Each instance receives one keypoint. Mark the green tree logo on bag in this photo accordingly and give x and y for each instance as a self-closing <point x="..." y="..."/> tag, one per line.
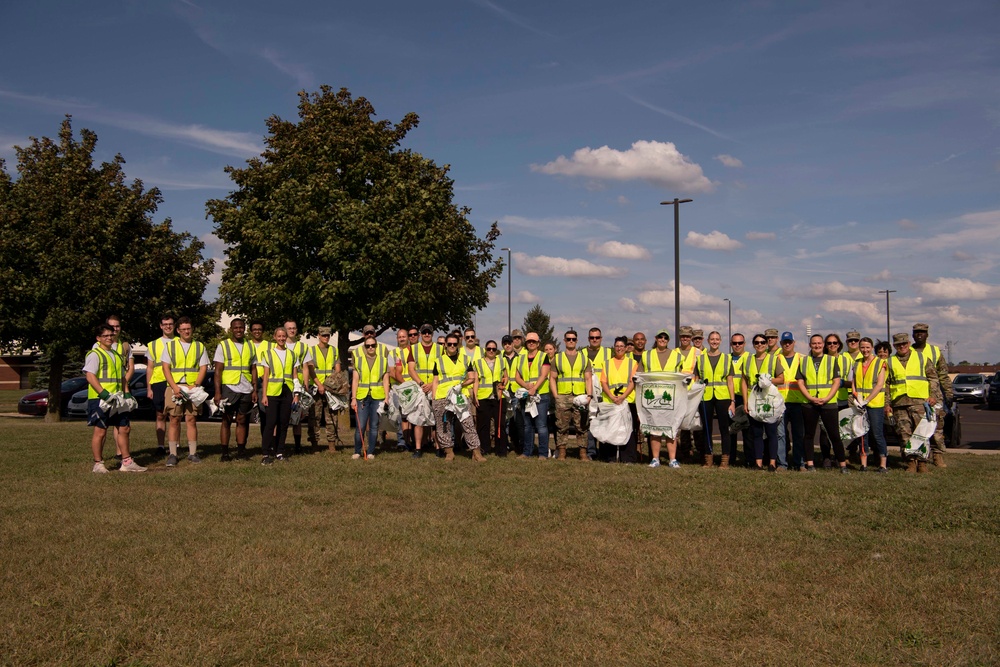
<point x="658" y="396"/>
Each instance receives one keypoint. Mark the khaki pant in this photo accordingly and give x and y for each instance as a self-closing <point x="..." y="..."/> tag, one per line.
<point x="316" y="411"/>
<point x="569" y="418"/>
<point x="907" y="418"/>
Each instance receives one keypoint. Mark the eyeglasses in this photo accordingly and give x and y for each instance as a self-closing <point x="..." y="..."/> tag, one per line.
<point x="470" y="338"/>
<point x="451" y="344"/>
<point x="371" y="347"/>
<point x="106" y="336"/>
<point x="594" y="337"/>
<point x="900" y="344"/>
<point x="531" y="340"/>
<point x="491" y="349"/>
<point x="663" y="337"/>
<point x="570" y="340"/>
<point x="760" y="342"/>
<point x="737" y="342"/>
<point x="831" y="342"/>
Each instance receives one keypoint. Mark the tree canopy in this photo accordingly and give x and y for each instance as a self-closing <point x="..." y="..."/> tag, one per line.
<point x="78" y="243"/>
<point x="538" y="321"/>
<point x="335" y="224"/>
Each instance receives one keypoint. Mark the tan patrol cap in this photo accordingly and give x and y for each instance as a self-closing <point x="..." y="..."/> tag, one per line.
<point x="685" y="331"/>
<point x="698" y="333"/>
<point x="920" y="326"/>
<point x="900" y="338"/>
<point x="853" y="334"/>
<point x="325" y="331"/>
<point x="770" y="333"/>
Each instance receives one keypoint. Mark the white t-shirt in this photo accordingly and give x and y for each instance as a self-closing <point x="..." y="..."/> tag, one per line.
<point x="165" y="358"/>
<point x="243" y="387"/>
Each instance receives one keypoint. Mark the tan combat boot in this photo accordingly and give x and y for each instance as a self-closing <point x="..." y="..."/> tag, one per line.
<point x="939" y="460"/>
<point x="449" y="454"/>
<point x="921" y="466"/>
<point x="583" y="454"/>
<point x="477" y="455"/>
<point x="911" y="466"/>
<point x="561" y="455"/>
<point x="708" y="461"/>
<point x="724" y="464"/>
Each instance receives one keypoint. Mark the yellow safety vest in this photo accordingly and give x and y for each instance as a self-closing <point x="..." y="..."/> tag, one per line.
<point x="572" y="374"/>
<point x="450" y="373"/>
<point x="739" y="361"/>
<point x="370" y="382"/>
<point x="260" y="349"/>
<point x="399" y="355"/>
<point x="489" y="376"/>
<point x="681" y="363"/>
<point x="184" y="367"/>
<point x="474" y="356"/>
<point x="864" y="381"/>
<point x="716" y="385"/>
<point x="237" y="362"/>
<point x="110" y="371"/>
<point x="752" y="368"/>
<point x="154" y="355"/>
<point x="789" y="389"/>
<point x="531" y="370"/>
<point x="617" y="379"/>
<point x="600" y="360"/>
<point x="819" y="381"/>
<point x="845" y="362"/>
<point x="423" y="362"/>
<point x="324" y="363"/>
<point x="651" y="361"/>
<point x="281" y="374"/>
<point x="910" y="380"/>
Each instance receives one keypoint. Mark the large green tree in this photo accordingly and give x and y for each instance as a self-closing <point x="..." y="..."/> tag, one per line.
<point x="78" y="243"/>
<point x="538" y="321"/>
<point x="336" y="224"/>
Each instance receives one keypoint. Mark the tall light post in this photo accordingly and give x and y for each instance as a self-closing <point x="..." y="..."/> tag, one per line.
<point x="730" y="304"/>
<point x="508" y="289"/>
<point x="887" y="292"/>
<point x="677" y="263"/>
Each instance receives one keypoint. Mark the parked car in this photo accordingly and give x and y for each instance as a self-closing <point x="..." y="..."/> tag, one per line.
<point x="970" y="387"/>
<point x="37" y="402"/>
<point x="993" y="397"/>
<point x="139" y="390"/>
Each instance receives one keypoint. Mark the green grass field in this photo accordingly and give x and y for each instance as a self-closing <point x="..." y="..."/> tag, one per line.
<point x="325" y="560"/>
<point x="10" y="397"/>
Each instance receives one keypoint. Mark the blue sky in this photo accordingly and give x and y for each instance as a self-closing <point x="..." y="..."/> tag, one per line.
<point x="832" y="150"/>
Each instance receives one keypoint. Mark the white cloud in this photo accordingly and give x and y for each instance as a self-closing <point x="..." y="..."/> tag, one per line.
<point x="303" y="76"/>
<point x="958" y="288"/>
<point x="655" y="162"/>
<point x="864" y="309"/>
<point x="730" y="161"/>
<point x="962" y="256"/>
<point x="834" y="289"/>
<point x="882" y="275"/>
<point x="623" y="200"/>
<point x="761" y="236"/>
<point x="560" y="266"/>
<point x="524" y="296"/>
<point x="568" y="228"/>
<point x="630" y="306"/>
<point x="907" y="224"/>
<point x="618" y="250"/>
<point x="714" y="240"/>
<point x="690" y="297"/>
<point x="953" y="315"/>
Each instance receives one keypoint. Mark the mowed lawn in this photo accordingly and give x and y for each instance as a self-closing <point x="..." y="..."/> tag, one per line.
<point x="325" y="560"/>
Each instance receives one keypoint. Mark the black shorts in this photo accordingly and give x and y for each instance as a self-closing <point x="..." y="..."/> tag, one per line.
<point x="236" y="403"/>
<point x="159" y="390"/>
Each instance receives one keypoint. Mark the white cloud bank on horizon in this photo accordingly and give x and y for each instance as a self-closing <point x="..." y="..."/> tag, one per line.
<point x="714" y="240"/>
<point x="543" y="265"/>
<point x="618" y="250"/>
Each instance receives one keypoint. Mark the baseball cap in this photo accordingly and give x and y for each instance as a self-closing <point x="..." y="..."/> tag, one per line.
<point x="787" y="336"/>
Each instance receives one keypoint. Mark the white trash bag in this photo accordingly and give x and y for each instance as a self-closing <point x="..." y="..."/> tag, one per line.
<point x="919" y="444"/>
<point x="612" y="424"/>
<point x="765" y="405"/>
<point x="458" y="404"/>
<point x="853" y="424"/>
<point x="414" y="404"/>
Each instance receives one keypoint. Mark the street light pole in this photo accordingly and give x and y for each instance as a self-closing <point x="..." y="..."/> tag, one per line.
<point x="677" y="263"/>
<point x="730" y="304"/>
<point x="508" y="289"/>
<point x="887" y="292"/>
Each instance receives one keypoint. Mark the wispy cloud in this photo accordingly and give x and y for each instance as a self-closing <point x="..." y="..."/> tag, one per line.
<point x="676" y="116"/>
<point x="303" y="76"/>
<point x="542" y="265"/>
<point x="730" y="161"/>
<point x="511" y="18"/>
<point x="567" y="228"/>
<point x="690" y="297"/>
<point x="761" y="236"/>
<point x="630" y="306"/>
<point x="618" y="250"/>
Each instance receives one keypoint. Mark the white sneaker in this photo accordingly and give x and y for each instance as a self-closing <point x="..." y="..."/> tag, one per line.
<point x="355" y="456"/>
<point x="674" y="464"/>
<point x="371" y="457"/>
<point x="99" y="467"/>
<point x="132" y="466"/>
<point x="655" y="463"/>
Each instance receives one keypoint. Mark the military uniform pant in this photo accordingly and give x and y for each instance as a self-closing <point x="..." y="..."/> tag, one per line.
<point x="907" y="418"/>
<point x="444" y="436"/>
<point x="937" y="444"/>
<point x="569" y="418"/>
<point x="316" y="412"/>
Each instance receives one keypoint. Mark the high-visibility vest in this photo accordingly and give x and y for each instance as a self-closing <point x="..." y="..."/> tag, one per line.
<point x="423" y="362"/>
<point x="716" y="384"/>
<point x="932" y="352"/>
<point x="473" y="355"/>
<point x="260" y="349"/>
<point x="381" y="350"/>
<point x="300" y="349"/>
<point x="651" y="361"/>
<point x="184" y="367"/>
<point x="400" y="355"/>
<point x="844" y="364"/>
<point x="752" y="367"/>
<point x="450" y="373"/>
<point x="572" y="374"/>
<point x="619" y="375"/>
<point x="819" y="381"/>
<point x="237" y="362"/>
<point x="680" y="362"/>
<point x="370" y="377"/>
<point x="599" y="360"/>
<point x="531" y="370"/>
<point x="324" y="362"/>
<point x="488" y="376"/>
<point x="109" y="373"/>
<point x="789" y="389"/>
<point x="154" y="355"/>
<point x="739" y="361"/>
<point x="281" y="373"/>
<point x="910" y="380"/>
<point x="865" y="378"/>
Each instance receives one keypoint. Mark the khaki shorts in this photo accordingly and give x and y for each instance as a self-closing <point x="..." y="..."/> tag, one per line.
<point x="172" y="409"/>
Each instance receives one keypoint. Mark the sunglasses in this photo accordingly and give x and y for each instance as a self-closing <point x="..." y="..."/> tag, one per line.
<point x="371" y="347"/>
<point x="570" y="340"/>
<point x="787" y="342"/>
<point x="663" y="337"/>
<point x="831" y="342"/>
<point x="324" y="335"/>
<point x="760" y="342"/>
<point x="594" y="337"/>
<point x="470" y="338"/>
<point x="491" y="349"/>
<point x="531" y="341"/>
<point x="737" y="342"/>
<point x="413" y="334"/>
<point x="772" y="338"/>
<point x="451" y="344"/>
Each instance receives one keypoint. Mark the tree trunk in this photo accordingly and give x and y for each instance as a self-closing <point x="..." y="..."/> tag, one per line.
<point x="57" y="359"/>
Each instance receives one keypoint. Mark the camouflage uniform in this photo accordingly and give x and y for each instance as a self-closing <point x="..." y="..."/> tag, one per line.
<point x="909" y="411"/>
<point x="941" y="391"/>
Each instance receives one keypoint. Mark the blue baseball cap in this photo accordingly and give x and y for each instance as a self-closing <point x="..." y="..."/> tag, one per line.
<point x="787" y="336"/>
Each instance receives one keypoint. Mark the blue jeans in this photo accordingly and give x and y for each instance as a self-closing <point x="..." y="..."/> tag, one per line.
<point x="876" y="419"/>
<point x="782" y="450"/>
<point x="758" y="430"/>
<point x="367" y="421"/>
<point x="794" y="418"/>
<point x="539" y="424"/>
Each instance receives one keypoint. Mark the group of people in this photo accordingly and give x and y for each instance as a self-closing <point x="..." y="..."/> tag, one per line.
<point x="552" y="390"/>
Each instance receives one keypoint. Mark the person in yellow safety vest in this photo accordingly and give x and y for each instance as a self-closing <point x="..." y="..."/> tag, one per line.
<point x="618" y="386"/>
<point x="104" y="369"/>
<point x="185" y="364"/>
<point x="399" y="361"/>
<point x="760" y="363"/>
<point x="488" y="385"/>
<point x="533" y="375"/>
<point x="421" y="370"/>
<point x="790" y="361"/>
<point x="515" y="425"/>
<point x="260" y="347"/>
<point x="369" y="388"/>
<point x="325" y="362"/>
<point x="124" y="350"/>
<point x="715" y="370"/>
<point x="368" y="332"/>
<point x="598" y="356"/>
<point x="682" y="360"/>
<point x="657" y="360"/>
<point x="913" y="384"/>
<point x="834" y="347"/>
<point x="819" y="379"/>
<point x="451" y="369"/>
<point x="473" y="352"/>
<point x="304" y="357"/>
<point x="157" y="380"/>
<point x="279" y="367"/>
<point x="739" y="354"/>
<point x="236" y="384"/>
<point x="570" y="375"/>
<point x="945" y="396"/>
<point x="869" y="376"/>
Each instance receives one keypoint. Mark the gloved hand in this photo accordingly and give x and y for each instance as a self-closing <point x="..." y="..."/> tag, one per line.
<point x="127" y="396"/>
<point x="104" y="395"/>
<point x="764" y="380"/>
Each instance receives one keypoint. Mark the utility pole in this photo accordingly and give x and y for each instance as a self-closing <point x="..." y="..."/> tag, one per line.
<point x="677" y="263"/>
<point x="887" y="292"/>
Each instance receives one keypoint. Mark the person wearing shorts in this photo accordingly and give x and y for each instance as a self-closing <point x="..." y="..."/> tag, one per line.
<point x="235" y="386"/>
<point x="157" y="380"/>
<point x="185" y="365"/>
<point x="105" y="370"/>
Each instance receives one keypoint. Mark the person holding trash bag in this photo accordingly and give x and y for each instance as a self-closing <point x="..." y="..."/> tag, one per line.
<point x="869" y="375"/>
<point x="618" y="383"/>
<point x="914" y="389"/>
<point x="280" y="366"/>
<point x="819" y="380"/>
<point x="758" y="372"/>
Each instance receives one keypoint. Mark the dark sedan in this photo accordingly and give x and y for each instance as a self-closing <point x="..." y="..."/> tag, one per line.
<point x="37" y="402"/>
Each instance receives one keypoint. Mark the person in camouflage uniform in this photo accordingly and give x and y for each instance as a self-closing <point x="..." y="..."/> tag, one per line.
<point x="909" y="410"/>
<point x="944" y="395"/>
